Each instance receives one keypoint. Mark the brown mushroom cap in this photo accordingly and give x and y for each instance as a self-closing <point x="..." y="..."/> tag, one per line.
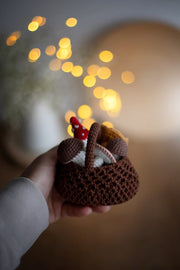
<point x="117" y="146"/>
<point x="68" y="149"/>
<point x="108" y="134"/>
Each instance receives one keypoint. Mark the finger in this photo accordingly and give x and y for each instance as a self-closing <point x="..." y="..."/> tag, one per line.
<point x="49" y="157"/>
<point x="71" y="210"/>
<point x="101" y="209"/>
<point x="52" y="152"/>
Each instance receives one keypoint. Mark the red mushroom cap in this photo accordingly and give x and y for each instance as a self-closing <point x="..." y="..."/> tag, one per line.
<point x="80" y="132"/>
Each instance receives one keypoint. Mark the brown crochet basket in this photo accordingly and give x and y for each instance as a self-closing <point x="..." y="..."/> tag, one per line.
<point x="88" y="186"/>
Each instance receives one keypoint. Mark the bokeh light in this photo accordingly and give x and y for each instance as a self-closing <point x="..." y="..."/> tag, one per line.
<point x="111" y="101"/>
<point x="99" y="92"/>
<point x="69" y="130"/>
<point x="87" y="123"/>
<point x="114" y="112"/>
<point x="65" y="42"/>
<point x="69" y="55"/>
<point x="71" y="22"/>
<point x="92" y="70"/>
<point x="89" y="81"/>
<point x="101" y="105"/>
<point x="84" y="111"/>
<point x="43" y="21"/>
<point x="62" y="53"/>
<point x="77" y="71"/>
<point x="17" y="34"/>
<point x="33" y="26"/>
<point x="55" y="64"/>
<point x="67" y="66"/>
<point x="106" y="56"/>
<point x="68" y="115"/>
<point x="40" y="20"/>
<point x="50" y="50"/>
<point x="34" y="55"/>
<point x="108" y="124"/>
<point x="37" y="19"/>
<point x="11" y="40"/>
<point x="104" y="73"/>
<point x="127" y="77"/>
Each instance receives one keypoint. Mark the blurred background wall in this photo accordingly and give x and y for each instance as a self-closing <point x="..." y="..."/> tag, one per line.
<point x="145" y="41"/>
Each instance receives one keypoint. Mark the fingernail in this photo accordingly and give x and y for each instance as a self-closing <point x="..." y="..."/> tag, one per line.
<point x="89" y="211"/>
<point x="108" y="207"/>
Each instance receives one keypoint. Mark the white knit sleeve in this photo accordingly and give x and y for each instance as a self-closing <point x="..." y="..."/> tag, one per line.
<point x="24" y="216"/>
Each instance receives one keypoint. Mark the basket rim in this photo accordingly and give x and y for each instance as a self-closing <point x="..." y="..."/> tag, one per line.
<point x="125" y="158"/>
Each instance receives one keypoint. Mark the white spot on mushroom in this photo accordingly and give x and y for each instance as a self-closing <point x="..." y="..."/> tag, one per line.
<point x="76" y="126"/>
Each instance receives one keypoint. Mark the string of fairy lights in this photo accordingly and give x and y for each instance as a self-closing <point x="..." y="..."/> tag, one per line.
<point x="109" y="99"/>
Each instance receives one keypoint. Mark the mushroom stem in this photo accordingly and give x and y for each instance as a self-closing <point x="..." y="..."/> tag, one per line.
<point x="80" y="158"/>
<point x="104" y="153"/>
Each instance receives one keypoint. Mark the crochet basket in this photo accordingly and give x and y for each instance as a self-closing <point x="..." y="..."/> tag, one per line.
<point x="88" y="186"/>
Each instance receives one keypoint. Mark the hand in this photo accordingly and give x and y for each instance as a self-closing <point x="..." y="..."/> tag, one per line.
<point x="42" y="172"/>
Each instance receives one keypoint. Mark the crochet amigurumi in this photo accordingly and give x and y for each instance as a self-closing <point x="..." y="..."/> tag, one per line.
<point x="93" y="167"/>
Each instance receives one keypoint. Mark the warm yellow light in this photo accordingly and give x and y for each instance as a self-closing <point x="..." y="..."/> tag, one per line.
<point x="108" y="124"/>
<point x="99" y="92"/>
<point x="17" y="34"/>
<point x="67" y="67"/>
<point x="71" y="22"/>
<point x="43" y="21"/>
<point x="65" y="42"/>
<point x="111" y="101"/>
<point x="40" y="20"/>
<point x="50" y="50"/>
<point x="89" y="81"/>
<point x="69" y="131"/>
<point x="114" y="112"/>
<point x="87" y="123"/>
<point x="101" y="105"/>
<point x="69" y="55"/>
<point x="127" y="77"/>
<point x="77" y="71"/>
<point x="104" y="73"/>
<point x="37" y="19"/>
<point x="110" y="92"/>
<point x="11" y="40"/>
<point x="62" y="53"/>
<point x="92" y="70"/>
<point x="68" y="115"/>
<point x="106" y="56"/>
<point x="84" y="111"/>
<point x="34" y="55"/>
<point x="55" y="64"/>
<point x="33" y="26"/>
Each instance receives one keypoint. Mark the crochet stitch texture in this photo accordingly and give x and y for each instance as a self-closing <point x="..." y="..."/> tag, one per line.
<point x="88" y="186"/>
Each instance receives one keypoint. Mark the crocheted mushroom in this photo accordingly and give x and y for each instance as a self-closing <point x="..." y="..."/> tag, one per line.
<point x="79" y="131"/>
<point x="69" y="150"/>
<point x="102" y="155"/>
<point x="117" y="147"/>
<point x="90" y="184"/>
